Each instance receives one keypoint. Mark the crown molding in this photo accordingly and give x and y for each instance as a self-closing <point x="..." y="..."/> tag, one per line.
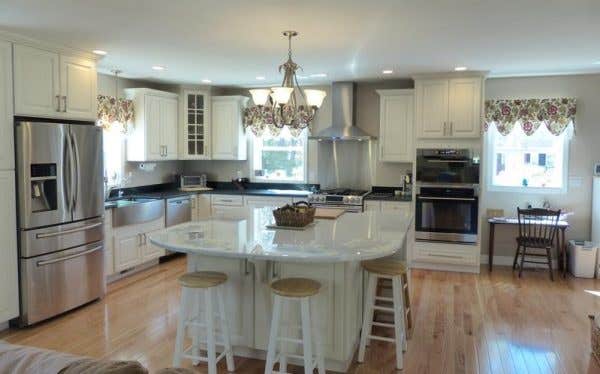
<point x="47" y="45"/>
<point x="455" y="74"/>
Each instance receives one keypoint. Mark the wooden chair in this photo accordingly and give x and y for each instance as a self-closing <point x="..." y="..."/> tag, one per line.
<point x="538" y="228"/>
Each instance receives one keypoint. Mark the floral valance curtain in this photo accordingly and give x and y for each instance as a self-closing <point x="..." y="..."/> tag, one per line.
<point x="112" y="110"/>
<point x="261" y="118"/>
<point x="556" y="114"/>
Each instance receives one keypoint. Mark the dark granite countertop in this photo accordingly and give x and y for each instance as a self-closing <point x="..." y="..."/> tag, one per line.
<point x="167" y="191"/>
<point x="387" y="194"/>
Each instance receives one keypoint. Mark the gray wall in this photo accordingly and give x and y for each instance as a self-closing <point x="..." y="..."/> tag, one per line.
<point x="165" y="170"/>
<point x="584" y="151"/>
<point x="320" y="159"/>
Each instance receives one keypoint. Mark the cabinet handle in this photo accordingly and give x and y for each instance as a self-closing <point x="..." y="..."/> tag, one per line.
<point x="145" y="239"/>
<point x="246" y="271"/>
<point x="444" y="128"/>
<point x="58" y="103"/>
<point x="451" y="128"/>
<point x="273" y="271"/>
<point x="139" y="240"/>
<point x="65" y="104"/>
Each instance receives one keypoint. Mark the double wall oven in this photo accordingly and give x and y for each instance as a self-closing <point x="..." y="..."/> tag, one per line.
<point x="447" y="201"/>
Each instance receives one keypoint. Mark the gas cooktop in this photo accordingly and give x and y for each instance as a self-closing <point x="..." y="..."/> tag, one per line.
<point x="339" y="197"/>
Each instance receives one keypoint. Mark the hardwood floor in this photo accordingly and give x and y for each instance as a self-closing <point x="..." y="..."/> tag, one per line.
<point x="464" y="323"/>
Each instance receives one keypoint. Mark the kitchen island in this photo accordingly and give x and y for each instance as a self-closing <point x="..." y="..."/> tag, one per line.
<point x="253" y="256"/>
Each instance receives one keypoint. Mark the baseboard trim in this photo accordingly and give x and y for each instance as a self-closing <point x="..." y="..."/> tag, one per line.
<point x="508" y="261"/>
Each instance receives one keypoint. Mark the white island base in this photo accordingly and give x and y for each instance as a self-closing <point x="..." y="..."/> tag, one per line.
<point x="336" y="312"/>
<point x="254" y="256"/>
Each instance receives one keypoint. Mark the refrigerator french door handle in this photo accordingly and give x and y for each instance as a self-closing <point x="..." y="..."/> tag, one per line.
<point x="65" y="176"/>
<point x="76" y="171"/>
<point x="68" y="172"/>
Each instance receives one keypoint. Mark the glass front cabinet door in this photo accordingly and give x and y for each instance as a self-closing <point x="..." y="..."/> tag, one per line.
<point x="196" y="125"/>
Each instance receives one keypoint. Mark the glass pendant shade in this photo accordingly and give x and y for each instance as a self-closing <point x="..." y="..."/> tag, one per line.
<point x="260" y="96"/>
<point x="281" y="95"/>
<point x="315" y="97"/>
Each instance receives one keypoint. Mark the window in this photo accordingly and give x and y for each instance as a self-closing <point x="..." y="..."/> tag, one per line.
<point x="537" y="163"/>
<point x="279" y="158"/>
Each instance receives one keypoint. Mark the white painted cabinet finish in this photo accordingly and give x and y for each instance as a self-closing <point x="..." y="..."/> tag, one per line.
<point x="227" y="133"/>
<point x="195" y="125"/>
<point x="78" y="85"/>
<point x="386" y="206"/>
<point x="9" y="286"/>
<point x="431" y="106"/>
<point x="48" y="84"/>
<point x="131" y="247"/>
<point x="200" y="206"/>
<point x="239" y="295"/>
<point x="109" y="260"/>
<point x="448" y="107"/>
<point x="260" y="201"/>
<point x="7" y="158"/>
<point x="154" y="134"/>
<point x="464" y="110"/>
<point x="37" y="84"/>
<point x="396" y="125"/>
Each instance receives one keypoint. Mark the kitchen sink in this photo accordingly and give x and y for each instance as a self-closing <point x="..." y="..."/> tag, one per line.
<point x="135" y="210"/>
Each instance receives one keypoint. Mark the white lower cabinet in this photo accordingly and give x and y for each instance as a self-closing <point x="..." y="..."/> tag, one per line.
<point x="387" y="206"/>
<point x="239" y="295"/>
<point x="261" y="202"/>
<point x="9" y="284"/>
<point x="226" y="204"/>
<point x="131" y="246"/>
<point x="200" y="206"/>
<point x="109" y="260"/>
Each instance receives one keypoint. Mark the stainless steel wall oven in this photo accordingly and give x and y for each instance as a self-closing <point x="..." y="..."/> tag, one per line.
<point x="447" y="214"/>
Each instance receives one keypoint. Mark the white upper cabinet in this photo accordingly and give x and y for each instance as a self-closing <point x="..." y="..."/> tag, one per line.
<point x="154" y="133"/>
<point x="449" y="107"/>
<point x="396" y="134"/>
<point x="195" y="125"/>
<point x="7" y="161"/>
<point x="78" y="86"/>
<point x="228" y="136"/>
<point x="51" y="85"/>
<point x="464" y="111"/>
<point x="431" y="107"/>
<point x="37" y="86"/>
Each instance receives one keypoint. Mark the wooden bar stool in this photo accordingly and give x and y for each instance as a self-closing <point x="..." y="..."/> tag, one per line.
<point x="209" y="284"/>
<point x="395" y="271"/>
<point x="286" y="290"/>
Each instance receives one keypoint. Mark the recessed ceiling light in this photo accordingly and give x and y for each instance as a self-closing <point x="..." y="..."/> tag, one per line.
<point x="99" y="52"/>
<point x="387" y="71"/>
<point x="318" y="75"/>
<point x="206" y="81"/>
<point x="260" y="78"/>
<point x="158" y="67"/>
<point x="460" y="68"/>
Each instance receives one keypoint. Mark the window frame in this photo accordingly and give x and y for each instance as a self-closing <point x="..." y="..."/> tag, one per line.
<point x="251" y="148"/>
<point x="489" y="167"/>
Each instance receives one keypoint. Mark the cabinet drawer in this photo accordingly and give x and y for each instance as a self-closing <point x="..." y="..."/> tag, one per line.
<point x="455" y="257"/>
<point x="231" y="200"/>
<point x="394" y="205"/>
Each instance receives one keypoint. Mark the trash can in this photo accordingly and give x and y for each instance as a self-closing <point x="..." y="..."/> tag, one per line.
<point x="582" y="258"/>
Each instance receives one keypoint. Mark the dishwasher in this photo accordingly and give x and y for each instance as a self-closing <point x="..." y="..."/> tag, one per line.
<point x="177" y="210"/>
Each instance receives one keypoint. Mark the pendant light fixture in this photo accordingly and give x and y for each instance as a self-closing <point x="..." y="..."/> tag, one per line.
<point x="286" y="105"/>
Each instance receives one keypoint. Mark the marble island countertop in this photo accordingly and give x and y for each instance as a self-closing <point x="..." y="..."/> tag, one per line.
<point x="351" y="237"/>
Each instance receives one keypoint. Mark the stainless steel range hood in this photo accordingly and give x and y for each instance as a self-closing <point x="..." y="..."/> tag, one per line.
<point x="343" y="101"/>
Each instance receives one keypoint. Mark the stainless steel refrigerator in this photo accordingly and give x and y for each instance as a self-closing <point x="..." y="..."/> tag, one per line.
<point x="60" y="209"/>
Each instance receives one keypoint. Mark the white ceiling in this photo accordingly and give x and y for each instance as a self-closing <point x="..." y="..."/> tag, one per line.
<point x="232" y="41"/>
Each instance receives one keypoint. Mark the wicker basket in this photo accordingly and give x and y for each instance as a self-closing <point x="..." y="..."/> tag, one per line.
<point x="299" y="214"/>
<point x="595" y="338"/>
